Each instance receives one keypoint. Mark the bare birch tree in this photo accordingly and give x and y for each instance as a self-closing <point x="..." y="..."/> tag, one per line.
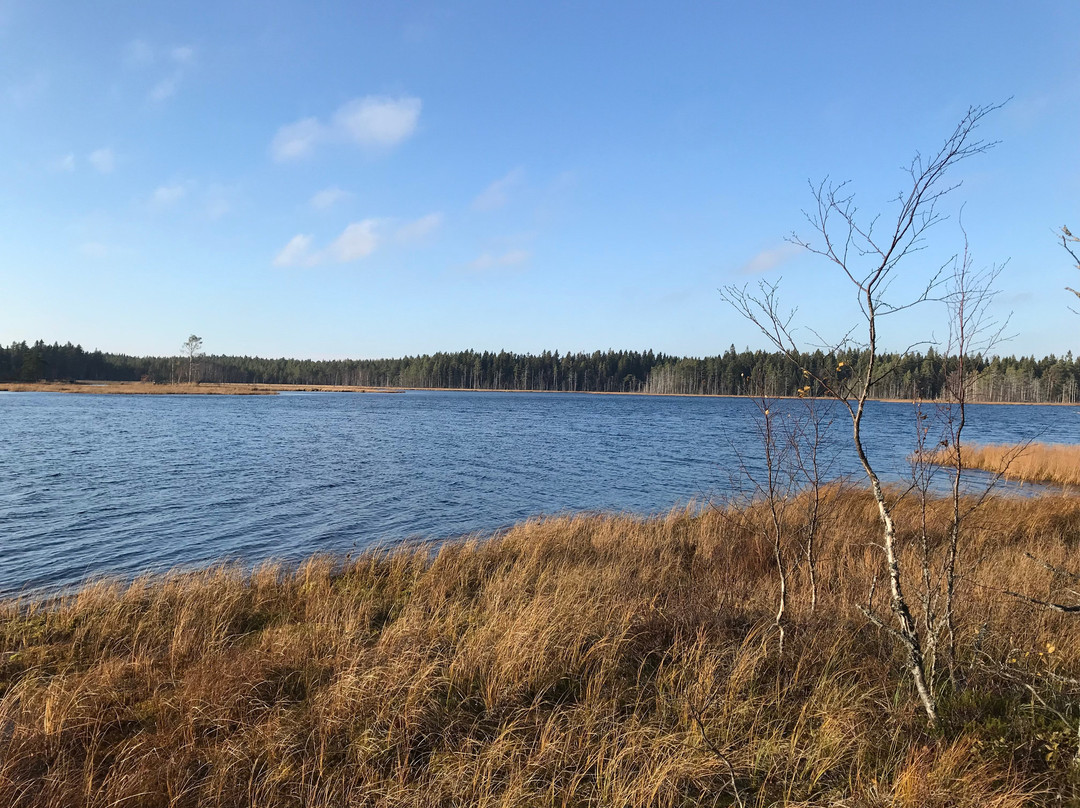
<point x="972" y="329"/>
<point x="871" y="254"/>
<point x="813" y="460"/>
<point x="766" y="489"/>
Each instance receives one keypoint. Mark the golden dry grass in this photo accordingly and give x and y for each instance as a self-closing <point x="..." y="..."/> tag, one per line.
<point x="1034" y="462"/>
<point x="203" y="388"/>
<point x="578" y="661"/>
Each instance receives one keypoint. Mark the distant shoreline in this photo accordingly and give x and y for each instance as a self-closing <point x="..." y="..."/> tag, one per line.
<point x="242" y="389"/>
<point x="200" y="389"/>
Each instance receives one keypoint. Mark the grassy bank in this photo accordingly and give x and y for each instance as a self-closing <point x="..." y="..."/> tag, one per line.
<point x="202" y="389"/>
<point x="238" y="389"/>
<point x="571" y="662"/>
<point x="1028" y="463"/>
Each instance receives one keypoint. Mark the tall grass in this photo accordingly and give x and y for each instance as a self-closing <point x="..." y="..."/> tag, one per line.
<point x="576" y="661"/>
<point x="179" y="388"/>
<point x="1033" y="462"/>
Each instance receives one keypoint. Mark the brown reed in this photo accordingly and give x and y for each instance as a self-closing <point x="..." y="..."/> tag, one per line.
<point x="1028" y="463"/>
<point x="574" y="661"/>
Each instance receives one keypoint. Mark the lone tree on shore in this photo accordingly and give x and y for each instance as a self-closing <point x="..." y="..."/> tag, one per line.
<point x="192" y="350"/>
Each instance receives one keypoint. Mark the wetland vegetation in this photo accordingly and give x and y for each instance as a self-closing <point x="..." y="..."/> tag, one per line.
<point x="572" y="661"/>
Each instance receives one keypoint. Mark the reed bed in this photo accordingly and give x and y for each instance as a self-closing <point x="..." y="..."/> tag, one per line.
<point x="182" y="388"/>
<point x="576" y="661"/>
<point x="136" y="388"/>
<point x="1028" y="463"/>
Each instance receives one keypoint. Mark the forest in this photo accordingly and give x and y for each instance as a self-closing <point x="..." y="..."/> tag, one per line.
<point x="912" y="375"/>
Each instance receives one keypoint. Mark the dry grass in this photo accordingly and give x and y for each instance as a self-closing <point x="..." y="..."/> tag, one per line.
<point x="571" y="662"/>
<point x="202" y="389"/>
<point x="1029" y="463"/>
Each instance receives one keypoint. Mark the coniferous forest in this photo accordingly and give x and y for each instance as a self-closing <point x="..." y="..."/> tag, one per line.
<point x="913" y="375"/>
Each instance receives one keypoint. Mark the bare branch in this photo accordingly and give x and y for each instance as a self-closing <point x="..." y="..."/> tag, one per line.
<point x="1064" y="608"/>
<point x="1056" y="570"/>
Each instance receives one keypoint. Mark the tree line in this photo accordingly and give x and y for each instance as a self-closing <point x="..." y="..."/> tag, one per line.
<point x="912" y="375"/>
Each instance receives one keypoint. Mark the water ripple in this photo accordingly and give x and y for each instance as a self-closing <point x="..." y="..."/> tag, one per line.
<point x="118" y="485"/>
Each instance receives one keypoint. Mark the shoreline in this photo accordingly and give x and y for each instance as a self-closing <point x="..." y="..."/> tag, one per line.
<point x="44" y="594"/>
<point x="183" y="389"/>
<point x="258" y="389"/>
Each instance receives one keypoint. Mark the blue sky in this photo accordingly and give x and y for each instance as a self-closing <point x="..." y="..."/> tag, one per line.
<point x="354" y="179"/>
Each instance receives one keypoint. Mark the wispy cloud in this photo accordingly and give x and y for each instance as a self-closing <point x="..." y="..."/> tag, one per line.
<point x="357" y="241"/>
<point x="139" y="53"/>
<point x="166" y="88"/>
<point x="498" y="193"/>
<point x="28" y="90"/>
<point x="1017" y="298"/>
<point x="182" y="54"/>
<point x="328" y="197"/>
<point x="373" y="122"/>
<point x="296" y="139"/>
<point x="98" y="249"/>
<point x="770" y="258"/>
<point x="296" y="253"/>
<point x="377" y="120"/>
<point x="218" y="201"/>
<point x="175" y="61"/>
<point x="418" y="229"/>
<point x="212" y="201"/>
<point x="493" y="261"/>
<point x="166" y="195"/>
<point x="103" y="160"/>
<point x="64" y="164"/>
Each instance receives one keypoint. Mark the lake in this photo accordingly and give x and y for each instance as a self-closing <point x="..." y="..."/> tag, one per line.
<point x="117" y="485"/>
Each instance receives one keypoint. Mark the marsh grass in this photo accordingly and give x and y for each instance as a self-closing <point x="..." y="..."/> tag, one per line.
<point x="1029" y="463"/>
<point x="577" y="661"/>
<point x="182" y="388"/>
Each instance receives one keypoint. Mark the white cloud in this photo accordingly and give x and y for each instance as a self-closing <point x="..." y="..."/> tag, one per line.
<point x="168" y="194"/>
<point x="358" y="241"/>
<point x="770" y="258"/>
<point x="378" y="120"/>
<point x="328" y="197"/>
<point x="296" y="139"/>
<point x="370" y="122"/>
<point x="418" y="229"/>
<point x="64" y="164"/>
<point x="489" y="261"/>
<point x="182" y="54"/>
<point x="103" y="160"/>
<point x="498" y="193"/>
<point x="295" y="253"/>
<point x="142" y="55"/>
<point x="164" y="89"/>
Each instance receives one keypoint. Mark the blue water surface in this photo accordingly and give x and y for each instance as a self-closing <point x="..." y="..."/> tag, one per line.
<point x="117" y="485"/>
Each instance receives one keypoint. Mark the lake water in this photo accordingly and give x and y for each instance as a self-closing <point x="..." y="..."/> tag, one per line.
<point x="101" y="484"/>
